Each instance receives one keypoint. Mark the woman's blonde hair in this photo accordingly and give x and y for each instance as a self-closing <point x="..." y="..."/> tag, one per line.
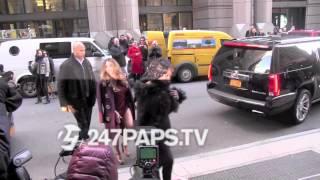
<point x="118" y="73"/>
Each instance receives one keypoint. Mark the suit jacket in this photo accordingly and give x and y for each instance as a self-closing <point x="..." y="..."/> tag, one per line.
<point x="76" y="84"/>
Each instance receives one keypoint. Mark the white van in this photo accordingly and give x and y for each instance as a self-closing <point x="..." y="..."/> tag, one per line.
<point x="15" y="55"/>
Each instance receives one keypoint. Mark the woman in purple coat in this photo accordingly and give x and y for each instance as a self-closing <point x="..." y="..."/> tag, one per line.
<point x="115" y="102"/>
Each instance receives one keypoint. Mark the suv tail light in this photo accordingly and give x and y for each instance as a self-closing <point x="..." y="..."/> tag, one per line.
<point x="245" y="45"/>
<point x="274" y="85"/>
<point x="210" y="73"/>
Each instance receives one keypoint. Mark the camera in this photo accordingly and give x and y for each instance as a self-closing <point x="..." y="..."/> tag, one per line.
<point x="148" y="160"/>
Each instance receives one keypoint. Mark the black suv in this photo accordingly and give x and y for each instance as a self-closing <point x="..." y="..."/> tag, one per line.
<point x="267" y="75"/>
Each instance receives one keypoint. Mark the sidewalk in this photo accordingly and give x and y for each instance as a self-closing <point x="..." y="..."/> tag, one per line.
<point x="220" y="160"/>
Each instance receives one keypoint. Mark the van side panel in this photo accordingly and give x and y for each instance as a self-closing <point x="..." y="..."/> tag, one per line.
<point x="17" y="63"/>
<point x="197" y="47"/>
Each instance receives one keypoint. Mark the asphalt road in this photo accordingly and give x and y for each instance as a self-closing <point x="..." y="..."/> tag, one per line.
<point x="37" y="127"/>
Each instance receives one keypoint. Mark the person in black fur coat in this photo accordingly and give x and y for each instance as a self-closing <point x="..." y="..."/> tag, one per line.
<point x="155" y="101"/>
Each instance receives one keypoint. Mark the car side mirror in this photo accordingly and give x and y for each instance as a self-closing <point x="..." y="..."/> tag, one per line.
<point x="21" y="158"/>
<point x="97" y="54"/>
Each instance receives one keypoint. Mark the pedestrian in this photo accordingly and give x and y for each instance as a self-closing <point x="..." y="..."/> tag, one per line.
<point x="252" y="31"/>
<point x="51" y="78"/>
<point x="1" y="69"/>
<point x="135" y="55"/>
<point x="143" y="45"/>
<point x="124" y="45"/>
<point x="130" y="38"/>
<point x="115" y="101"/>
<point x="8" y="77"/>
<point x="155" y="52"/>
<point x="118" y="54"/>
<point x="41" y="69"/>
<point x="155" y="101"/>
<point x="10" y="100"/>
<point x="77" y="88"/>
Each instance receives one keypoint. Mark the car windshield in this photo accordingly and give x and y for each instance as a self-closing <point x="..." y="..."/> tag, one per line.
<point x="101" y="47"/>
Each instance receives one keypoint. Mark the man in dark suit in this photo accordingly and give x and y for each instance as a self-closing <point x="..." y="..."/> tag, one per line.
<point x="77" y="88"/>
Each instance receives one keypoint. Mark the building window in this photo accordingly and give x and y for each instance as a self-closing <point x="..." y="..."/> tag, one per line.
<point x="3" y="7"/>
<point x="15" y="7"/>
<point x="287" y="17"/>
<point x="142" y="3"/>
<point x="170" y="21"/>
<point x="71" y="4"/>
<point x="184" y="2"/>
<point x="166" y="22"/>
<point x="53" y="5"/>
<point x="80" y="28"/>
<point x="155" y="22"/>
<point x="153" y="2"/>
<point x="38" y="5"/>
<point x="169" y="2"/>
<point x="83" y="4"/>
<point x="143" y="22"/>
<point x="185" y="20"/>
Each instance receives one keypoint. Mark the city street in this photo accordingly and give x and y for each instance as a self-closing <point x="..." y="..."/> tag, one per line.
<point x="37" y="127"/>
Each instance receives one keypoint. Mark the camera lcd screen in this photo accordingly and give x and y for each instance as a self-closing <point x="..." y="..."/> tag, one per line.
<point x="148" y="153"/>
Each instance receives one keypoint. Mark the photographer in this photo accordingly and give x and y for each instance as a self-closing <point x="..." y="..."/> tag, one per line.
<point x="155" y="101"/>
<point x="10" y="100"/>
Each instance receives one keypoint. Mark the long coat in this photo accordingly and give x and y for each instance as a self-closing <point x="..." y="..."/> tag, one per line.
<point x="135" y="55"/>
<point x="75" y="87"/>
<point x="118" y="55"/>
<point x="10" y="100"/>
<point x="154" y="103"/>
<point x="106" y="104"/>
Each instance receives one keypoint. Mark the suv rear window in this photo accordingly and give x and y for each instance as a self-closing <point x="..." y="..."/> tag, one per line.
<point x="297" y="56"/>
<point x="253" y="60"/>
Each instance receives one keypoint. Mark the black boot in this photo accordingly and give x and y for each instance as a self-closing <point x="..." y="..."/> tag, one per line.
<point x="38" y="101"/>
<point x="47" y="101"/>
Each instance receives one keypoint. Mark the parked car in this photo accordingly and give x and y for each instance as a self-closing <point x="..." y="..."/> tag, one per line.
<point x="267" y="75"/>
<point x="190" y="51"/>
<point x="15" y="55"/>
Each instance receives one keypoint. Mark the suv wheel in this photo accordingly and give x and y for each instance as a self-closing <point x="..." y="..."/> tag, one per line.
<point x="185" y="74"/>
<point x="28" y="87"/>
<point x="302" y="106"/>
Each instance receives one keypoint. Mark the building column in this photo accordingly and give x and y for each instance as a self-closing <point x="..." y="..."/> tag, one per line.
<point x="263" y="11"/>
<point x="128" y="17"/>
<point x="312" y="14"/>
<point x="212" y="15"/>
<point x="263" y="15"/>
<point x="108" y="18"/>
<point x="242" y="12"/>
<point x="242" y="17"/>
